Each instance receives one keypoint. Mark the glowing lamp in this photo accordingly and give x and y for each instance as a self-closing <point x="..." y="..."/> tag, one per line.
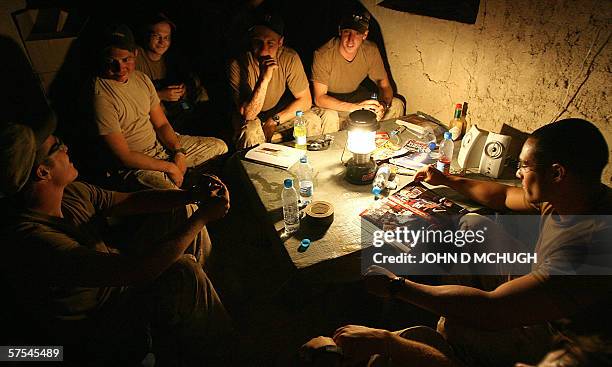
<point x="362" y="126"/>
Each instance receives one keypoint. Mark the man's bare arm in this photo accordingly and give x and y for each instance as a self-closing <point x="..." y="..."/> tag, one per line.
<point x="322" y="99"/>
<point x="491" y="194"/>
<point x="164" y="131"/>
<point x="386" y="92"/>
<point x="85" y="267"/>
<point x="251" y="108"/>
<point x="302" y="102"/>
<point x="130" y="159"/>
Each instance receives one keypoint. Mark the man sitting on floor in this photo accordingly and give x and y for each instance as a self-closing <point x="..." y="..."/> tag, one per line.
<point x="87" y="296"/>
<point x="341" y="65"/>
<point x="269" y="85"/>
<point x="568" y="291"/>
<point x="179" y="89"/>
<point x="134" y="127"/>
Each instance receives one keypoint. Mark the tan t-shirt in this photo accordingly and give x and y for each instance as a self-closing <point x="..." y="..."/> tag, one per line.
<point x="575" y="265"/>
<point x="329" y="67"/>
<point x="40" y="252"/>
<point x="244" y="72"/>
<point x="124" y="108"/>
<point x="155" y="70"/>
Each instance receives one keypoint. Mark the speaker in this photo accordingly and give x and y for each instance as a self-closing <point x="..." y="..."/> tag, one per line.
<point x="494" y="154"/>
<point x="471" y="148"/>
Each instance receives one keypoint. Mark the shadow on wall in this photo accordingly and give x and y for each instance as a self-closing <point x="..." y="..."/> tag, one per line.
<point x="21" y="98"/>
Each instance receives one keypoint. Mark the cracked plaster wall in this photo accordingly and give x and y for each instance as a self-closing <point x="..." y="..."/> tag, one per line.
<point x="521" y="64"/>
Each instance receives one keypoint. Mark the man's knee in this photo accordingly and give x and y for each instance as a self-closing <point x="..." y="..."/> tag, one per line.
<point x="250" y="134"/>
<point x="330" y="122"/>
<point x="180" y="290"/>
<point x="153" y="180"/>
<point x="396" y="109"/>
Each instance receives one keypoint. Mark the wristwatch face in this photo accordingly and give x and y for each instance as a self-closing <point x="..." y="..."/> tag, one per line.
<point x="276" y="119"/>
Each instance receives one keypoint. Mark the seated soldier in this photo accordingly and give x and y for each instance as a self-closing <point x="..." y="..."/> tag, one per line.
<point x="179" y="90"/>
<point x="90" y="297"/>
<point x="269" y="85"/>
<point x="341" y="65"/>
<point x="568" y="291"/>
<point x="134" y="127"/>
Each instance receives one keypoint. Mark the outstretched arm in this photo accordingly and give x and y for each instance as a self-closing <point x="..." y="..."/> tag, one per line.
<point x="522" y="301"/>
<point x="89" y="268"/>
<point x="491" y="194"/>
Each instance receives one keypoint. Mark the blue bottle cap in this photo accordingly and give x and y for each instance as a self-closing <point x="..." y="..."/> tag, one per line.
<point x="447" y="135"/>
<point x="288" y="183"/>
<point x="432" y="146"/>
<point x="304" y="159"/>
<point x="305" y="243"/>
<point x="376" y="190"/>
<point x="299" y="113"/>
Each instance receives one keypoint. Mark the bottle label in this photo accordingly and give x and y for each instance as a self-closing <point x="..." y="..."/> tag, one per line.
<point x="443" y="166"/>
<point x="305" y="188"/>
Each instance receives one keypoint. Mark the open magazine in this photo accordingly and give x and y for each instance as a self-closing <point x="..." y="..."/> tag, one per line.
<point x="275" y="155"/>
<point x="413" y="206"/>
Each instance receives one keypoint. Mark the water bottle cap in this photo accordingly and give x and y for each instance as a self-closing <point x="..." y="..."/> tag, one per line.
<point x="432" y="146"/>
<point x="299" y="113"/>
<point x="447" y="135"/>
<point x="304" y="159"/>
<point x="288" y="183"/>
<point x="376" y="190"/>
<point x="305" y="243"/>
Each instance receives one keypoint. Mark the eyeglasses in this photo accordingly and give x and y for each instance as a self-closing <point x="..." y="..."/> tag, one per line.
<point x="57" y="146"/>
<point x="523" y="165"/>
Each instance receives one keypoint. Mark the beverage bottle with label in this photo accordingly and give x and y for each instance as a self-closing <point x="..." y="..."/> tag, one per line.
<point x="291" y="211"/>
<point x="305" y="175"/>
<point x="446" y="154"/>
<point x="463" y="115"/>
<point x="381" y="180"/>
<point x="456" y="124"/>
<point x="299" y="130"/>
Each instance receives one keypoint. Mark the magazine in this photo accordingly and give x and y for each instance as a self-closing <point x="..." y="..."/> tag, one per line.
<point x="275" y="155"/>
<point x="413" y="206"/>
<point x="415" y="161"/>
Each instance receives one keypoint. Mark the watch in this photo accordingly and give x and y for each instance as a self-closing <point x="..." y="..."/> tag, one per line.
<point x="276" y="119"/>
<point x="395" y="285"/>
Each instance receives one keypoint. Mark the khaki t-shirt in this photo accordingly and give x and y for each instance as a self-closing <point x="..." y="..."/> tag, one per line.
<point x="40" y="253"/>
<point x="329" y="67"/>
<point x="124" y="108"/>
<point x="155" y="70"/>
<point x="575" y="265"/>
<point x="244" y="72"/>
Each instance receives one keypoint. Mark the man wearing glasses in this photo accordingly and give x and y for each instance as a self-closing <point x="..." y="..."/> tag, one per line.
<point x="567" y="293"/>
<point x="134" y="127"/>
<point x="340" y="67"/>
<point x="86" y="294"/>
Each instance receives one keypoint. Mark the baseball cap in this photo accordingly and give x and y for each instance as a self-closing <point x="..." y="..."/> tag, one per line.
<point x="357" y="21"/>
<point x="161" y="18"/>
<point x="119" y="36"/>
<point x="19" y="152"/>
<point x="272" y="21"/>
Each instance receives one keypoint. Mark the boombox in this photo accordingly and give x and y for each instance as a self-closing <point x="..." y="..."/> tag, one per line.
<point x="485" y="150"/>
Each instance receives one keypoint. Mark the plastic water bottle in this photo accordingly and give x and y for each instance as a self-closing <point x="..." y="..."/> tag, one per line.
<point x="305" y="177"/>
<point x="291" y="212"/>
<point x="299" y="130"/>
<point x="381" y="179"/>
<point x="446" y="154"/>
